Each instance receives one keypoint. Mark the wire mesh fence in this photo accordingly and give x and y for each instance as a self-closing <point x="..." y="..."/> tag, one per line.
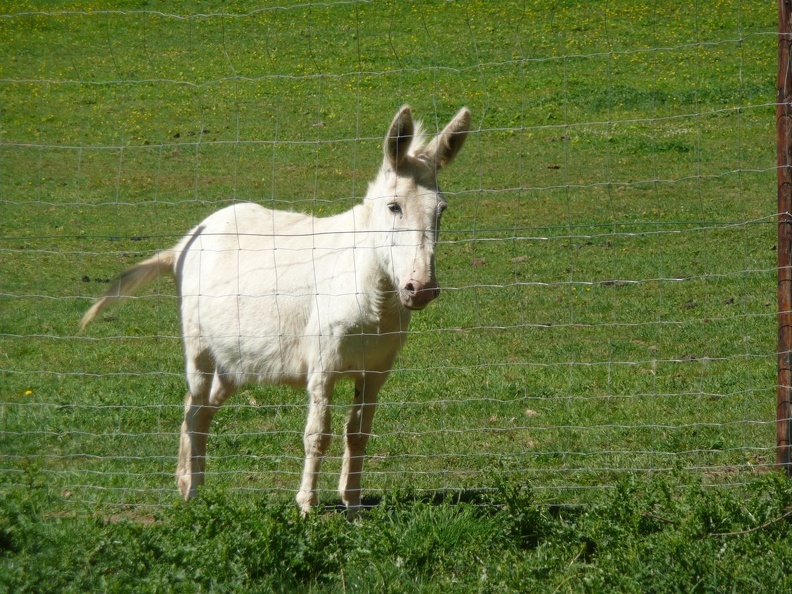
<point x="607" y="259"/>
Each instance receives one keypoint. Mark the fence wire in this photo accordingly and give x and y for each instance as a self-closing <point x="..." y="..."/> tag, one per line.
<point x="607" y="259"/>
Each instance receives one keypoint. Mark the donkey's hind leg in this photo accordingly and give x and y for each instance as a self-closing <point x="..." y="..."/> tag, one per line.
<point x="207" y="393"/>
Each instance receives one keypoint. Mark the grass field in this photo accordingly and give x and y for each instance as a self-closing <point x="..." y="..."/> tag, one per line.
<point x="607" y="260"/>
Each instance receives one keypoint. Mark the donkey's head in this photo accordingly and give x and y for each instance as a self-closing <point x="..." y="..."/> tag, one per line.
<point x="406" y="203"/>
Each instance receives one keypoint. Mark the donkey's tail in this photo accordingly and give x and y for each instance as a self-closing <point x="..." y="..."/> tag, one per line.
<point x="130" y="281"/>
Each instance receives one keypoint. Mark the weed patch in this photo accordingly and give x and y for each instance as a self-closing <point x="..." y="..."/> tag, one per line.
<point x="647" y="536"/>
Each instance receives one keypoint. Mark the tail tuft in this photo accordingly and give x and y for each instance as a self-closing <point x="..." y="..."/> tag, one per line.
<point x="130" y="281"/>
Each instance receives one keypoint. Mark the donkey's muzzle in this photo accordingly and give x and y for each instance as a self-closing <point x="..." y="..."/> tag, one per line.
<point x="417" y="295"/>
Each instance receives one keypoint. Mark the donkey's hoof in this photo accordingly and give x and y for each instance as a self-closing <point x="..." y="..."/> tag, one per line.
<point x="187" y="489"/>
<point x="307" y="500"/>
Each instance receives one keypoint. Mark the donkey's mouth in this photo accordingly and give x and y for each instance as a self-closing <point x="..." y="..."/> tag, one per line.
<point x="413" y="307"/>
<point x="415" y="296"/>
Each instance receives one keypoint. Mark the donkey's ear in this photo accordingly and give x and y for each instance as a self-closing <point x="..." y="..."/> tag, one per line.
<point x="445" y="146"/>
<point x="399" y="137"/>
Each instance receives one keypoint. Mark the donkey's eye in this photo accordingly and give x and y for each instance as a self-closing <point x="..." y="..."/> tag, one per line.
<point x="394" y="208"/>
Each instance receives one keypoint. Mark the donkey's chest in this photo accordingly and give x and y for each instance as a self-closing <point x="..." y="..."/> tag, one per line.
<point x="367" y="351"/>
<point x="363" y="341"/>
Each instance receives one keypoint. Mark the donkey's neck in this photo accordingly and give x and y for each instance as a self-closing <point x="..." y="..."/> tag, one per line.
<point x="379" y="293"/>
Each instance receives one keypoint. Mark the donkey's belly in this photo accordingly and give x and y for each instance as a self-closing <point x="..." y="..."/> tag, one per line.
<point x="255" y="340"/>
<point x="265" y="362"/>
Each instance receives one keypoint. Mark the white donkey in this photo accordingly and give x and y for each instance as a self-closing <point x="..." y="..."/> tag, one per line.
<point x="285" y="298"/>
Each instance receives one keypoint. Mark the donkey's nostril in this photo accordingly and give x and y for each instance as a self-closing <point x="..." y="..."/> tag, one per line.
<point x="410" y="288"/>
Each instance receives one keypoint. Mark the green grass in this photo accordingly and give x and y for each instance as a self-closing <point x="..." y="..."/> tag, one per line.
<point x="608" y="257"/>
<point x="663" y="535"/>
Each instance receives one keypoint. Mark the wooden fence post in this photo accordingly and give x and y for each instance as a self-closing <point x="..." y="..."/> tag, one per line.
<point x="784" y="248"/>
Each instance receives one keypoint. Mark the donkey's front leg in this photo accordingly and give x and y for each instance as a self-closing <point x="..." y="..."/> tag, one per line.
<point x="356" y="435"/>
<point x="316" y="438"/>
